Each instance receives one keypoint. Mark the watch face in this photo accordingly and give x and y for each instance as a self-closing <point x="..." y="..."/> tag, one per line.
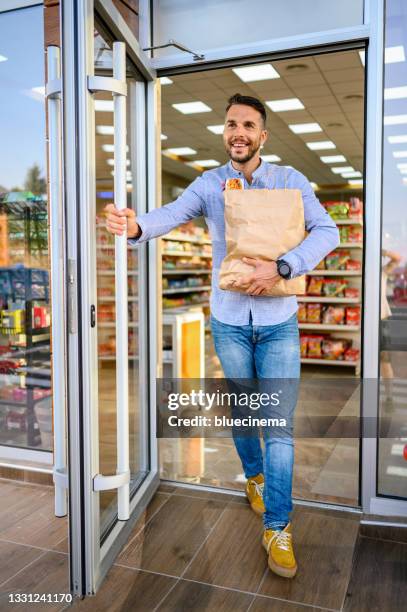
<point x="284" y="270"/>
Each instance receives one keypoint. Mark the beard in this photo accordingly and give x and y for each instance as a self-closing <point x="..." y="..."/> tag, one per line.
<point x="246" y="154"/>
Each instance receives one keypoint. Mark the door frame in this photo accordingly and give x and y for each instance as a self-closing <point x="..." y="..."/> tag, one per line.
<point x="90" y="560"/>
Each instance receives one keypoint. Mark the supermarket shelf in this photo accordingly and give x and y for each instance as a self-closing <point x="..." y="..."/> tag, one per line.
<point x="184" y="306"/>
<point x="112" y="325"/>
<point x="327" y="300"/>
<point x="330" y="362"/>
<point x="106" y="298"/>
<point x="186" y="289"/>
<point x="186" y="254"/>
<point x="183" y="238"/>
<point x="112" y="272"/>
<point x="358" y="222"/>
<point x="327" y="327"/>
<point x="334" y="273"/>
<point x="351" y="245"/>
<point x="186" y="271"/>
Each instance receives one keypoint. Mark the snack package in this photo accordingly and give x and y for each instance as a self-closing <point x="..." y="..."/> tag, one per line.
<point x="337" y="210"/>
<point x="303" y="345"/>
<point x="355" y="208"/>
<point x="353" y="264"/>
<point x="344" y="233"/>
<point x="337" y="259"/>
<point x="334" y="287"/>
<point x="302" y="313"/>
<point x="321" y="265"/>
<point x="353" y="315"/>
<point x="315" y="285"/>
<point x="234" y="183"/>
<point x="355" y="234"/>
<point x="351" y="354"/>
<point x="314" y="313"/>
<point x="333" y="315"/>
<point x="315" y="347"/>
<point x="334" y="348"/>
<point x="352" y="292"/>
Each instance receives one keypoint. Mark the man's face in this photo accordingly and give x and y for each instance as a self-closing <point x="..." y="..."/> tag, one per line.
<point x="244" y="132"/>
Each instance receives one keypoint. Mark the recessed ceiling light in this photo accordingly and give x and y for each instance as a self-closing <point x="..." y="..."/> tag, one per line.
<point x="105" y="106"/>
<point x="259" y="72"/>
<point x="105" y="130"/>
<point x="395" y="119"/>
<point x="355" y="182"/>
<point x="180" y="151"/>
<point x="296" y="67"/>
<point x="402" y="166"/>
<point x="164" y="137"/>
<point x="111" y="162"/>
<point x="188" y="108"/>
<point x="354" y="174"/>
<point x="393" y="55"/>
<point x="3" y="58"/>
<point x="395" y="93"/>
<point x="399" y="154"/>
<point x="400" y="139"/>
<point x="279" y="106"/>
<point x="270" y="158"/>
<point x="109" y="148"/>
<point x="166" y="81"/>
<point x="216" y="129"/>
<point x="204" y="163"/>
<point x="332" y="159"/>
<point x="362" y="57"/>
<point x="39" y="90"/>
<point x="305" y="128"/>
<point x="341" y="169"/>
<point x="321" y="145"/>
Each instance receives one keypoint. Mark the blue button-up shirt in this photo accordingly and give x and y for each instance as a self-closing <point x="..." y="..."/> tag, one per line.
<point x="205" y="197"/>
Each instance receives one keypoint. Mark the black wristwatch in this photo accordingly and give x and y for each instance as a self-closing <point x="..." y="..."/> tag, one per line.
<point x="284" y="269"/>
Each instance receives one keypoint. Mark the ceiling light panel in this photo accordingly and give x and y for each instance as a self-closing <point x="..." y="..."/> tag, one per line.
<point x="354" y="174"/>
<point x="180" y="151"/>
<point x="3" y="58"/>
<point x="164" y="137"/>
<point x="204" y="163"/>
<point x="332" y="159"/>
<point x="400" y="139"/>
<point x="399" y="154"/>
<point x="395" y="120"/>
<point x="271" y="158"/>
<point x="393" y="55"/>
<point x="105" y="130"/>
<point x="395" y="93"/>
<point x="216" y="129"/>
<point x="259" y="72"/>
<point x="289" y="104"/>
<point x="105" y="106"/>
<point x="189" y="108"/>
<point x="166" y="81"/>
<point x="305" y="128"/>
<point x="321" y="145"/>
<point x="341" y="169"/>
<point x="109" y="148"/>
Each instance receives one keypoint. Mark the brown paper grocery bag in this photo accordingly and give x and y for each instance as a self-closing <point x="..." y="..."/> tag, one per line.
<point x="264" y="224"/>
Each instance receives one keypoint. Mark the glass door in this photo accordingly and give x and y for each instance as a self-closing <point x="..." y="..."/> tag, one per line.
<point x="108" y="93"/>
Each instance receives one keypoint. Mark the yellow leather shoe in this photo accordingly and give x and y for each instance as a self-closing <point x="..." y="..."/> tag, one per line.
<point x="254" y="492"/>
<point x="279" y="547"/>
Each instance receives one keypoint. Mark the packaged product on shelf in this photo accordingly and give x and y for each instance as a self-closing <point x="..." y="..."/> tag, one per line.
<point x="344" y="233"/>
<point x="355" y="234"/>
<point x="333" y="315"/>
<point x="337" y="210"/>
<point x="303" y="345"/>
<point x="320" y="265"/>
<point x="334" y="287"/>
<point x="315" y="285"/>
<point x="352" y="292"/>
<point x="354" y="264"/>
<point x="355" y="208"/>
<point x="314" y="313"/>
<point x="302" y="312"/>
<point x="352" y="354"/>
<point x="337" y="259"/>
<point x="353" y="315"/>
<point x="315" y="346"/>
<point x="334" y="348"/>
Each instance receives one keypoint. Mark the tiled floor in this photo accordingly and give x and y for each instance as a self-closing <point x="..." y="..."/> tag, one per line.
<point x="200" y="551"/>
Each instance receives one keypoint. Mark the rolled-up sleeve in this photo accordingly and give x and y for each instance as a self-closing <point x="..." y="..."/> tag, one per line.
<point x="160" y="221"/>
<point x="323" y="234"/>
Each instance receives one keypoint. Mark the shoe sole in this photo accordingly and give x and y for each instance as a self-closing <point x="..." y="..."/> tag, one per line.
<point x="284" y="572"/>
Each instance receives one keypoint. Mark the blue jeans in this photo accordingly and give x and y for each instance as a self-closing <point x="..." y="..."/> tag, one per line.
<point x="265" y="352"/>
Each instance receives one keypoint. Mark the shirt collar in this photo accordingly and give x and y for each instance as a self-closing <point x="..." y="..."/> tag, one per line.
<point x="259" y="172"/>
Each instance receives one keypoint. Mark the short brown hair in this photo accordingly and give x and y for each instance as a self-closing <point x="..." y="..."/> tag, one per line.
<point x="248" y="101"/>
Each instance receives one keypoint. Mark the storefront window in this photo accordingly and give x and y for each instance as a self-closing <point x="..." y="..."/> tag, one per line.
<point x="25" y="387"/>
<point x="392" y="479"/>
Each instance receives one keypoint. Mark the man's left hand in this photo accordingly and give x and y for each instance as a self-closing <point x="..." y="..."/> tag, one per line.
<point x="263" y="277"/>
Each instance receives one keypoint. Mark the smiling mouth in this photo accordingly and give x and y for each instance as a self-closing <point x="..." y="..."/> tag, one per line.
<point x="239" y="146"/>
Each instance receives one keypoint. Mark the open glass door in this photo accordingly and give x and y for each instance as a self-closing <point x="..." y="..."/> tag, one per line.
<point x="108" y="120"/>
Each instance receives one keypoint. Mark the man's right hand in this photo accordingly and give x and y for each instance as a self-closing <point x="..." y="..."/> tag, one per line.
<point x="116" y="221"/>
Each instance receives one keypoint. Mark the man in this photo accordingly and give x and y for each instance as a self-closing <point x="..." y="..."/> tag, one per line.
<point x="255" y="336"/>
